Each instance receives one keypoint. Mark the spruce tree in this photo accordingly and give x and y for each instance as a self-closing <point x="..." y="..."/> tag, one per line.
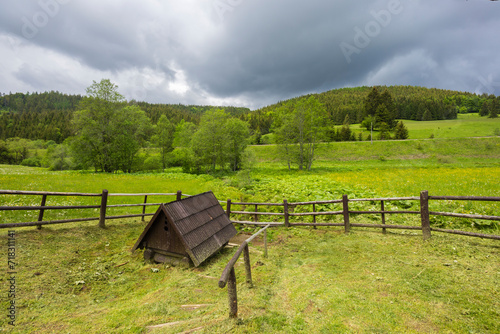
<point x="494" y="108"/>
<point x="427" y="116"/>
<point x="401" y="132"/>
<point x="485" y="109"/>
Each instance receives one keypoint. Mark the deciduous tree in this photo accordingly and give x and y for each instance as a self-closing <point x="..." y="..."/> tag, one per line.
<point x="108" y="133"/>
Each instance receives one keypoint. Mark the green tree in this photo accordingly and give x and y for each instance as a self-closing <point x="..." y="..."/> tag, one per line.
<point x="300" y="130"/>
<point x="379" y="109"/>
<point x="485" y="108"/>
<point x="164" y="138"/>
<point x="427" y="116"/>
<point x="209" y="142"/>
<point x="18" y="148"/>
<point x="345" y="132"/>
<point x="400" y="132"/>
<point x="384" y="133"/>
<point x="372" y="101"/>
<point x="494" y="108"/>
<point x="60" y="157"/>
<point x="108" y="133"/>
<point x="184" y="131"/>
<point x="237" y="140"/>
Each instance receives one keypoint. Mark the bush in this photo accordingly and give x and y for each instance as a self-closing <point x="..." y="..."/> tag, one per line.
<point x="267" y="139"/>
<point x="32" y="162"/>
<point x="153" y="163"/>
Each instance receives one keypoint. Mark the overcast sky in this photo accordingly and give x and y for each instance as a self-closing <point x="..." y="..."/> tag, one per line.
<point x="247" y="52"/>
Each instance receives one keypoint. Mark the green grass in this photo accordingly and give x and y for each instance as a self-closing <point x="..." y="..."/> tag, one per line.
<point x="466" y="125"/>
<point x="84" y="279"/>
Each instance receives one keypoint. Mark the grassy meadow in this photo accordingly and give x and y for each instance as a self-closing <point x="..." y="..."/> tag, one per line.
<point x="466" y="125"/>
<point x="78" y="278"/>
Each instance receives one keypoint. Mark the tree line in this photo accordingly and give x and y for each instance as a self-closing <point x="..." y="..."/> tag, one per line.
<point x="105" y="132"/>
<point x="408" y="103"/>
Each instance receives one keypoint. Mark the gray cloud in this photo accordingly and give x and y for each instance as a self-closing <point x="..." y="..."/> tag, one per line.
<point x="244" y="52"/>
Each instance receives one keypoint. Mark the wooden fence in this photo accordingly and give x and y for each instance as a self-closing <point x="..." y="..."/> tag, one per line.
<point x="286" y="213"/>
<point x="228" y="276"/>
<point x="346" y="212"/>
<point x="103" y="206"/>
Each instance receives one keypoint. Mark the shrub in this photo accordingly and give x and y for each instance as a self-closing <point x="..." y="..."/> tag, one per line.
<point x="32" y="162"/>
<point x="153" y="163"/>
<point x="267" y="139"/>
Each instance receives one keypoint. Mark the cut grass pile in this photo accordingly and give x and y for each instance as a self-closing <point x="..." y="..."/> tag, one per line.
<point x="84" y="279"/>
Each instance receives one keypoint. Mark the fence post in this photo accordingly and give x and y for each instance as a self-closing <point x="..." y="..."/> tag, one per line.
<point x="424" y="214"/>
<point x="345" y="206"/>
<point x="228" y="209"/>
<point x="248" y="268"/>
<point x="144" y="207"/>
<point x="285" y="210"/>
<point x="104" y="203"/>
<point x="231" y="293"/>
<point x="265" y="243"/>
<point x="179" y="195"/>
<point x="40" y="215"/>
<point x="383" y="216"/>
<point x="314" y="216"/>
<point x="256" y="217"/>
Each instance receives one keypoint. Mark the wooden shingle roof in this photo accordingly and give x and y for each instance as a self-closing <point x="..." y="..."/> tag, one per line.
<point x="201" y="224"/>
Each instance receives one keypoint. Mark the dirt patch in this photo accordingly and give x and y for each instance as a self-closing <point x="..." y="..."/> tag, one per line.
<point x="240" y="237"/>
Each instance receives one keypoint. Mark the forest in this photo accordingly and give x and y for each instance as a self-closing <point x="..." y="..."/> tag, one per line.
<point x="81" y="132"/>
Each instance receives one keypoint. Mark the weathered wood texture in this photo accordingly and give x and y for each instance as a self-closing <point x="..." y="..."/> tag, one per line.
<point x="424" y="214"/>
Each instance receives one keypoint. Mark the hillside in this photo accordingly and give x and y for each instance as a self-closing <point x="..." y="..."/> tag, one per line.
<point x="48" y="115"/>
<point x="410" y="103"/>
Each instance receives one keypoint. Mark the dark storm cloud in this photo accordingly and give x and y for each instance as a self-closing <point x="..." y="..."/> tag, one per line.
<point x="248" y="52"/>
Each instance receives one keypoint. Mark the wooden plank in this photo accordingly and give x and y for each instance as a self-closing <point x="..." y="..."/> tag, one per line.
<point x="48" y="222"/>
<point x="52" y="207"/>
<point x="398" y="227"/>
<point x="385" y="199"/>
<point x="324" y="213"/>
<point x="246" y="222"/>
<point x="317" y="202"/>
<point x="466" y="198"/>
<point x="462" y="215"/>
<point x="145" y="194"/>
<point x="470" y="234"/>
<point x="255" y="203"/>
<point x="129" y="216"/>
<point x="316" y="224"/>
<point x="384" y="212"/>
<point x="23" y="192"/>
<point x="258" y="213"/>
